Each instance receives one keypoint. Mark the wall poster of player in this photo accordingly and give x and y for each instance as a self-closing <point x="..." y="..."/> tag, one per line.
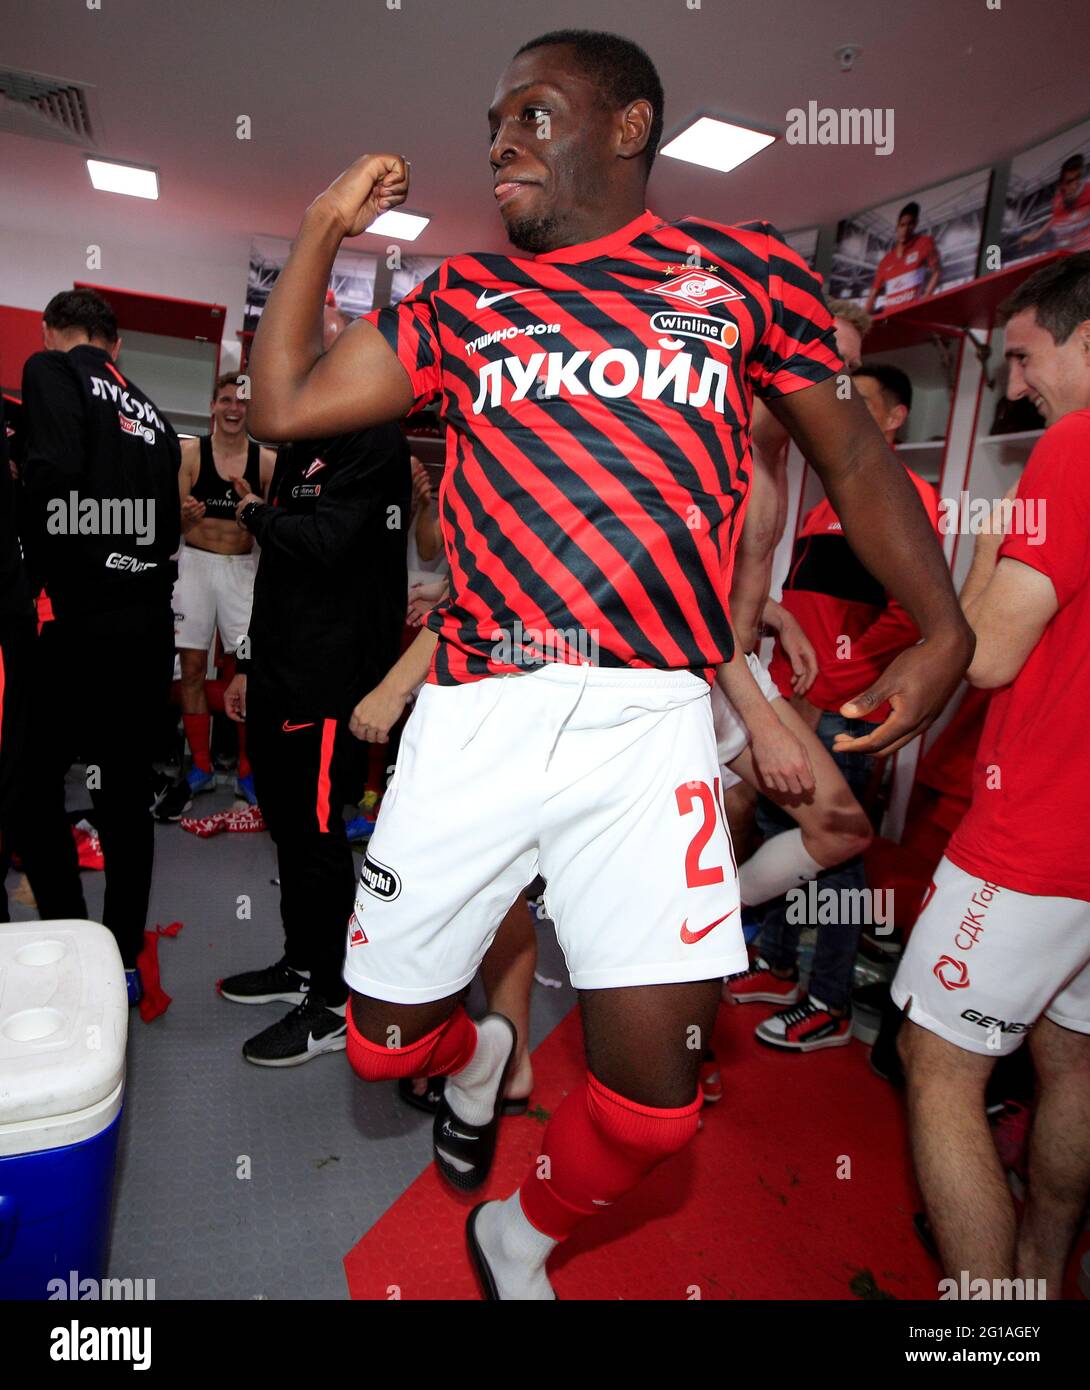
<point x="352" y="281"/>
<point x="1048" y="198"/>
<point x="911" y="247"/>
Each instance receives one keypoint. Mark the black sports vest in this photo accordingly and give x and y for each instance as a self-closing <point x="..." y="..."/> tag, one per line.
<point x="218" y="496"/>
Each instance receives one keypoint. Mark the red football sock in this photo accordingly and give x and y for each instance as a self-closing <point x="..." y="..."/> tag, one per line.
<point x="599" y="1145"/>
<point x="444" y="1050"/>
<point x="198" y="728"/>
<point x="244" y="768"/>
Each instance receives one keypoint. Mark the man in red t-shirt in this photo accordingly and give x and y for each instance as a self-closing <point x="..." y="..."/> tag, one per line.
<point x="910" y="269"/>
<point x="1003" y="944"/>
<point x="1069" y="216"/>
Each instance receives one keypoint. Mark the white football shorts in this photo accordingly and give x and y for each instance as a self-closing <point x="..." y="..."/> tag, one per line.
<point x="983" y="963"/>
<point x="605" y="781"/>
<point x="212" y="591"/>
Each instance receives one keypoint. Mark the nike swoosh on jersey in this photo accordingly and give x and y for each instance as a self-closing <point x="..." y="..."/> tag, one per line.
<point x="484" y="299"/>
<point x="290" y="728"/>
<point x="690" y="937"/>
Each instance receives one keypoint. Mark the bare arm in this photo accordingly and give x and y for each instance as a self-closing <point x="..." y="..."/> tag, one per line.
<point x="380" y="709"/>
<point x="299" y="392"/>
<point x="778" y="756"/>
<point x="192" y="510"/>
<point x="890" y="532"/>
<point x="1009" y="605"/>
<point x="766" y="513"/>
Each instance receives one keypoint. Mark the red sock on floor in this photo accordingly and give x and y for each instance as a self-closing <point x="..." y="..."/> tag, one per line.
<point x="599" y="1145"/>
<point x="444" y="1050"/>
<point x="198" y="729"/>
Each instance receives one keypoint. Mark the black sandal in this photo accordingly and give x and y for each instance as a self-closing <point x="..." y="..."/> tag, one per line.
<point x="473" y="1145"/>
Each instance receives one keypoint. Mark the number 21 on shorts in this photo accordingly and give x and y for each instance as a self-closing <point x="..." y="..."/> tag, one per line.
<point x="698" y="796"/>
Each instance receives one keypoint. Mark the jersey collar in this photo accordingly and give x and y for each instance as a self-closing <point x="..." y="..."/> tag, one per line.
<point x="603" y="246"/>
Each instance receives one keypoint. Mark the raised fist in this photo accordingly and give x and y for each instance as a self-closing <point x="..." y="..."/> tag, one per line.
<point x="369" y="187"/>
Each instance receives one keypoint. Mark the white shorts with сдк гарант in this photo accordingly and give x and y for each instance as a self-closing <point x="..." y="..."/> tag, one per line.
<point x="603" y="780"/>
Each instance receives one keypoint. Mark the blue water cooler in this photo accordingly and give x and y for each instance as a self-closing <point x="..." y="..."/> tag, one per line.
<point x="63" y="1028"/>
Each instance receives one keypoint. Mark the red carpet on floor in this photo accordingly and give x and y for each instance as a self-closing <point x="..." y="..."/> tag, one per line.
<point x="755" y="1207"/>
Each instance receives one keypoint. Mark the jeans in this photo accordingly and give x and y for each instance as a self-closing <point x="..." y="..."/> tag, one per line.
<point x="837" y="942"/>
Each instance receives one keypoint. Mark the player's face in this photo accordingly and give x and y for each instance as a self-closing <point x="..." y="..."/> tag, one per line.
<point x="551" y="149"/>
<point x="906" y="228"/>
<point x="1069" y="186"/>
<point x="849" y="343"/>
<point x="228" y="411"/>
<point x="1054" y="376"/>
<point x="876" y="403"/>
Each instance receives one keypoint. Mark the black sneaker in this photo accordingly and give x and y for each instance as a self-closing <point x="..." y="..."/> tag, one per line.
<point x="306" y="1032"/>
<point x="276" y="984"/>
<point x="161" y="784"/>
<point x="172" y="803"/>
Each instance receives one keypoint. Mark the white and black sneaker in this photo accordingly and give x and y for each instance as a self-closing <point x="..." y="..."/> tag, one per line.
<point x="308" y="1031"/>
<point x="276" y="984"/>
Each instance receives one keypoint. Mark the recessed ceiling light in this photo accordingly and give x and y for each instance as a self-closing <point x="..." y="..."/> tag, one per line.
<point x="403" y="226"/>
<point x="717" y="144"/>
<point x="109" y="177"/>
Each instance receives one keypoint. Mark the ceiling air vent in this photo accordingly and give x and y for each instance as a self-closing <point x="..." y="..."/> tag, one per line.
<point x="45" y="108"/>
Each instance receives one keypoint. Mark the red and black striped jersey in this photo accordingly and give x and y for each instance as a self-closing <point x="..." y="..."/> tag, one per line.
<point x="597" y="401"/>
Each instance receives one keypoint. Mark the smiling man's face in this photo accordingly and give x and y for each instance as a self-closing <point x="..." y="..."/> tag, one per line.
<point x="555" y="147"/>
<point x="1054" y="376"/>
<point x="228" y="411"/>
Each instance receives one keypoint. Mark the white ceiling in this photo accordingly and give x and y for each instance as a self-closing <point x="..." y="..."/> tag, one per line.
<point x="327" y="80"/>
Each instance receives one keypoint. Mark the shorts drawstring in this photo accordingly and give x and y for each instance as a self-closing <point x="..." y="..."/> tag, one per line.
<point x="586" y="668"/>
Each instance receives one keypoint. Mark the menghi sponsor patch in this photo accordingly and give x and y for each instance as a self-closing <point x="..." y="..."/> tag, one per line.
<point x="379" y="881"/>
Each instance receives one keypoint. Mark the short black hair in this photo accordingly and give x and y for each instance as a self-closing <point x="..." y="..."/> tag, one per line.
<point x="1060" y="293"/>
<point x="82" y="309"/>
<point x="621" y="69"/>
<point x="913" y="210"/>
<point x="1072" y="164"/>
<point x="894" y="383"/>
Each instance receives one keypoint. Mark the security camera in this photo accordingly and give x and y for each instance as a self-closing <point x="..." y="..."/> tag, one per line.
<point x="846" y="56"/>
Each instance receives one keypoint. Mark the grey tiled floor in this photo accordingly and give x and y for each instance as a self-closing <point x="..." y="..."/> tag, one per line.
<point x="326" y="1154"/>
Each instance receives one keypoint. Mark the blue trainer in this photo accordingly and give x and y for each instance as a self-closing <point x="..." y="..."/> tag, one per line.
<point x="135" y="985"/>
<point x="359" y="828"/>
<point x="244" y="786"/>
<point x="200" y="781"/>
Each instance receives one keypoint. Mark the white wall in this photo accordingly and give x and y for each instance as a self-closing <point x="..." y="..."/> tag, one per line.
<point x="37" y="262"/>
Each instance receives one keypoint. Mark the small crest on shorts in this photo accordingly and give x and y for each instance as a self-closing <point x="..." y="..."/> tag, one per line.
<point x="314" y="468"/>
<point x="356" y="934"/>
<point x="379" y="881"/>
